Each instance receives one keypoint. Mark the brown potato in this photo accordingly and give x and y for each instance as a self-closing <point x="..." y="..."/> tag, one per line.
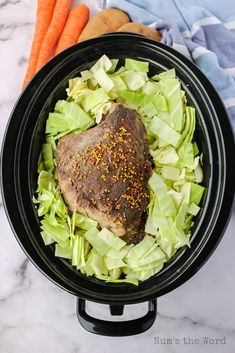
<point x="136" y="27"/>
<point x="108" y="20"/>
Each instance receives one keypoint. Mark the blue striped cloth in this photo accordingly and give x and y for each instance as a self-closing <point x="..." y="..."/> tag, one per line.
<point x="202" y="30"/>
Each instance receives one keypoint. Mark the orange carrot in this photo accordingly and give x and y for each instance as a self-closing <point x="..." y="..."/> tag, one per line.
<point x="54" y="31"/>
<point x="76" y="21"/>
<point x="44" y="14"/>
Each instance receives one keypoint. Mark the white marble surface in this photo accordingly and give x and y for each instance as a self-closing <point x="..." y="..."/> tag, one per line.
<point x="36" y="316"/>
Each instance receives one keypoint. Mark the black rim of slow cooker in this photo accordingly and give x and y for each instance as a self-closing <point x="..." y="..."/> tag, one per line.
<point x="19" y="220"/>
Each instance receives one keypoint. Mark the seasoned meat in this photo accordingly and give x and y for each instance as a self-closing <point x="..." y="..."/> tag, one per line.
<point x="103" y="172"/>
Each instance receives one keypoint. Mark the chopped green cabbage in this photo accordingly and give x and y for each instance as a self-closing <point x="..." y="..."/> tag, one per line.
<point x="138" y="66"/>
<point x="134" y="80"/>
<point x="68" y="116"/>
<point x="160" y="189"/>
<point x="47" y="156"/>
<point x="104" y="63"/>
<point x="164" y="131"/>
<point x="112" y="240"/>
<point x="175" y="190"/>
<point x="171" y="90"/>
<point x="94" y="98"/>
<point x="103" y="79"/>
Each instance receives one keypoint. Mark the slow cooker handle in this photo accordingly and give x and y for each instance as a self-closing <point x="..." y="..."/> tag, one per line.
<point x="116" y="328"/>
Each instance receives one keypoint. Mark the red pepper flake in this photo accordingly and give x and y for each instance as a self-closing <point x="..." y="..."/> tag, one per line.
<point x="148" y="168"/>
<point x="128" y="191"/>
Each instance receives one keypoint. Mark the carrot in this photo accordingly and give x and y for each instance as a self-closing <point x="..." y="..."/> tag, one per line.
<point x="76" y="21"/>
<point x="54" y="31"/>
<point x="44" y="14"/>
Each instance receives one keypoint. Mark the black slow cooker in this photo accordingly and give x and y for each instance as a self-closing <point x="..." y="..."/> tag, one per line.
<point x="20" y="152"/>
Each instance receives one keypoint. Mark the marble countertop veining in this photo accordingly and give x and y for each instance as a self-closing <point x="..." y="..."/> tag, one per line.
<point x="37" y="316"/>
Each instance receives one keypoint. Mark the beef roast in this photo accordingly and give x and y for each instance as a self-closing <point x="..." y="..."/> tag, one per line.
<point x="103" y="172"/>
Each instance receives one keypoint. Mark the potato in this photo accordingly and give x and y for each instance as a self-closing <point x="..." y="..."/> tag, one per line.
<point x="108" y="20"/>
<point x="136" y="27"/>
